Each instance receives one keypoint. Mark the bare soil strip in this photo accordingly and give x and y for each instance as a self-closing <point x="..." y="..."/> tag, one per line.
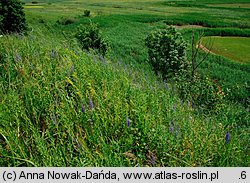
<point x="188" y="26"/>
<point x="204" y="49"/>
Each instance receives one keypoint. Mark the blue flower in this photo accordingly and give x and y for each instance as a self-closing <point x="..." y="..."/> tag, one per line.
<point x="193" y="105"/>
<point x="53" y="53"/>
<point x="18" y="57"/>
<point x="91" y="105"/>
<point x="171" y="128"/>
<point x="227" y="138"/>
<point x="153" y="160"/>
<point x="128" y="122"/>
<point x="83" y="108"/>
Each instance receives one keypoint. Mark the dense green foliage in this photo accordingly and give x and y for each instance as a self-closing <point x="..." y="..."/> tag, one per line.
<point x="202" y="91"/>
<point x="12" y="17"/>
<point x="167" y="55"/>
<point x="225" y="72"/>
<point x="86" y="13"/>
<point x="167" y="51"/>
<point x="89" y="38"/>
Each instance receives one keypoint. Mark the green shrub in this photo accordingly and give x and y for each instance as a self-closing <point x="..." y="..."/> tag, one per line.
<point x="66" y="21"/>
<point x="89" y="38"/>
<point x="203" y="92"/>
<point x="12" y="16"/>
<point x="167" y="51"/>
<point x="86" y="13"/>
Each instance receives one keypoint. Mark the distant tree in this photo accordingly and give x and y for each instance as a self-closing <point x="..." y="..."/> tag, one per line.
<point x="12" y="16"/>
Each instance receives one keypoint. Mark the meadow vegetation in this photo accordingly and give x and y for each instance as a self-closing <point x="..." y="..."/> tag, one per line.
<point x="64" y="104"/>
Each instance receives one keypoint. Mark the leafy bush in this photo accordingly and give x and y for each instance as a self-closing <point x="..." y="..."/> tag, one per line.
<point x="201" y="91"/>
<point x="12" y="16"/>
<point x="86" y="13"/>
<point x="167" y="51"/>
<point x="66" y="21"/>
<point x="167" y="54"/>
<point x="89" y="37"/>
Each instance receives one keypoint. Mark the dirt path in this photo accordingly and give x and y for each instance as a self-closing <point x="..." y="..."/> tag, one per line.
<point x="188" y="26"/>
<point x="204" y="49"/>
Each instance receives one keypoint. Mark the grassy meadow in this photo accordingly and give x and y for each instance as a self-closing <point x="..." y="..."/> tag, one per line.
<point x="62" y="106"/>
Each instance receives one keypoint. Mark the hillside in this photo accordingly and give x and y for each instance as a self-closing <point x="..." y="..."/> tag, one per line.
<point x="63" y="106"/>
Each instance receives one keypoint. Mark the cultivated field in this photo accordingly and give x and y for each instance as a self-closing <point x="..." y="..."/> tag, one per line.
<point x="235" y="48"/>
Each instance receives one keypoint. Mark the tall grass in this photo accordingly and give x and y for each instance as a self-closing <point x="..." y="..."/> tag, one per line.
<point x="60" y="106"/>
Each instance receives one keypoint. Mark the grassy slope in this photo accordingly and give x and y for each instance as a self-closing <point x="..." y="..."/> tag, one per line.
<point x="42" y="125"/>
<point x="40" y="120"/>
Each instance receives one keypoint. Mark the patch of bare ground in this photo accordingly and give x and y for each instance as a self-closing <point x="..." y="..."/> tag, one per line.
<point x="205" y="49"/>
<point x="188" y="26"/>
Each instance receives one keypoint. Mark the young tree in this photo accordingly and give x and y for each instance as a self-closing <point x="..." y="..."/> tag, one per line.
<point x="89" y="38"/>
<point x="167" y="51"/>
<point x="12" y="16"/>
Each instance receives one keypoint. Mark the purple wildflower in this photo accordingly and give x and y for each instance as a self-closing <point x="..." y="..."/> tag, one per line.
<point x="53" y="53"/>
<point x="83" y="108"/>
<point x="128" y="122"/>
<point x="91" y="105"/>
<point x="18" y="57"/>
<point x="153" y="160"/>
<point x="171" y="128"/>
<point x="227" y="138"/>
<point x="193" y="105"/>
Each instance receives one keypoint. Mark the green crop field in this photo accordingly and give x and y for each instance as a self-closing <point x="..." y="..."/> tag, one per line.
<point x="63" y="106"/>
<point x="235" y="48"/>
